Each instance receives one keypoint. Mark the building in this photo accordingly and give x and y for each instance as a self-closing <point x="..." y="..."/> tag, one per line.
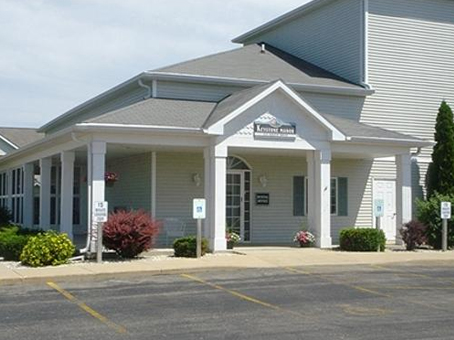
<point x="321" y="111"/>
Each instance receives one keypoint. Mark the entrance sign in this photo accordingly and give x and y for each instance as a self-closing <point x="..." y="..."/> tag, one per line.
<point x="379" y="207"/>
<point x="274" y="128"/>
<point x="445" y="212"/>
<point x="199" y="209"/>
<point x="100" y="212"/>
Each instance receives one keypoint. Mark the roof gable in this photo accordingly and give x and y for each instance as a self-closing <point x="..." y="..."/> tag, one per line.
<point x="235" y="105"/>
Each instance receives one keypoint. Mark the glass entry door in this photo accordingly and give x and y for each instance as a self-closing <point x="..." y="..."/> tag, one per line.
<point x="238" y="203"/>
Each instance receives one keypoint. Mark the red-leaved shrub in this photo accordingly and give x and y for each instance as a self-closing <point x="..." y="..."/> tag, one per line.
<point x="414" y="234"/>
<point x="130" y="233"/>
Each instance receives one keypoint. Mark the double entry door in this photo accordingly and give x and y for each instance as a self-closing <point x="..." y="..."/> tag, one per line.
<point x="238" y="203"/>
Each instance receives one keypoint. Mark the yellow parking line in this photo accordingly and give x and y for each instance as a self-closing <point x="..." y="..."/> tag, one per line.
<point x="241" y="296"/>
<point x="356" y="287"/>
<point x="363" y="289"/>
<point x="84" y="307"/>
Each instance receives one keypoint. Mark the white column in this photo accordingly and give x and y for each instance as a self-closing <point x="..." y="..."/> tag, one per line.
<point x="98" y="184"/>
<point x="45" y="165"/>
<point x="153" y="184"/>
<point x="215" y="191"/>
<point x="319" y="200"/>
<point x="403" y="192"/>
<point x="29" y="181"/>
<point x="67" y="192"/>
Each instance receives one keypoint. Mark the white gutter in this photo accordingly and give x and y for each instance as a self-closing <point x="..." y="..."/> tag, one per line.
<point x="411" y="142"/>
<point x="191" y="78"/>
<point x="147" y="87"/>
<point x="137" y="127"/>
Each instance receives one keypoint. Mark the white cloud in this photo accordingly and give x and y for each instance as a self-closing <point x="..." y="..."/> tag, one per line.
<point x="56" y="54"/>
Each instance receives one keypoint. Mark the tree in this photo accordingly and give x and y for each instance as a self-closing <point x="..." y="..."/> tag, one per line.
<point x="440" y="177"/>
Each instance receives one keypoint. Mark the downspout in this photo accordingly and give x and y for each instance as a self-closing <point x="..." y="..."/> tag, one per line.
<point x="416" y="154"/>
<point x="147" y="87"/>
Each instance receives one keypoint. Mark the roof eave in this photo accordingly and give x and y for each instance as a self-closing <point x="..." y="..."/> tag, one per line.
<point x="194" y="78"/>
<point x="280" y="20"/>
<point x="7" y="141"/>
<point x="135" y="128"/>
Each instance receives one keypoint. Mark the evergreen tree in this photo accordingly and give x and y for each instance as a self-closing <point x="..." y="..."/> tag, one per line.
<point x="440" y="177"/>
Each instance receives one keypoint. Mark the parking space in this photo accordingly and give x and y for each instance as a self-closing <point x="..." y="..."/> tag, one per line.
<point x="326" y="302"/>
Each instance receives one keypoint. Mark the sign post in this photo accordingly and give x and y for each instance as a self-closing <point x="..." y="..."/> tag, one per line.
<point x="445" y="213"/>
<point x="100" y="213"/>
<point x="199" y="214"/>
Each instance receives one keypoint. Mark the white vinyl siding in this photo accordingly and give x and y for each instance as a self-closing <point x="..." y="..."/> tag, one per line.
<point x="329" y="37"/>
<point x="191" y="91"/>
<point x="133" y="188"/>
<point x="411" y="64"/>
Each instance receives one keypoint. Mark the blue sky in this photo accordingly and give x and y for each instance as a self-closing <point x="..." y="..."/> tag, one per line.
<point x="56" y="54"/>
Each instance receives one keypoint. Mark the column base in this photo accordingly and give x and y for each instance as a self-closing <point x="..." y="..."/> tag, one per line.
<point x="325" y="242"/>
<point x="218" y="244"/>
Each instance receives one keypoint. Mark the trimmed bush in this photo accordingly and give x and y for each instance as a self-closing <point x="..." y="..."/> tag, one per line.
<point x="130" y="233"/>
<point x="13" y="240"/>
<point x="414" y="234"/>
<point x="362" y="239"/>
<point x="12" y="243"/>
<point x="5" y="216"/>
<point x="187" y="246"/>
<point x="428" y="212"/>
<point x="45" y="249"/>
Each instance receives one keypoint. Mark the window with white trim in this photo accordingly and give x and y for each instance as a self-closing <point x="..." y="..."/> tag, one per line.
<point x="338" y="197"/>
<point x="3" y="189"/>
<point x="17" y="195"/>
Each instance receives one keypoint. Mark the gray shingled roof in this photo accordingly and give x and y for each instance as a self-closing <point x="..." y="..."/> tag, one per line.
<point x="160" y="112"/>
<point x="20" y="136"/>
<point x="352" y="128"/>
<point x="198" y="115"/>
<point x="249" y="63"/>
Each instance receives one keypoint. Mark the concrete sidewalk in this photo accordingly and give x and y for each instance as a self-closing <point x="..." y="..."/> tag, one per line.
<point x="160" y="262"/>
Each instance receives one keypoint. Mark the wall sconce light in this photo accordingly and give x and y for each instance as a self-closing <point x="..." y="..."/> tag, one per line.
<point x="263" y="180"/>
<point x="196" y="179"/>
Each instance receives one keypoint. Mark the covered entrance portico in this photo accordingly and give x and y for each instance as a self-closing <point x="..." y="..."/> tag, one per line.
<point x="265" y="140"/>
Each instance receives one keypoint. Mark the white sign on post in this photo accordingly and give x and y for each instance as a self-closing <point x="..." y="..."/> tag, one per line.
<point x="379" y="207"/>
<point x="198" y="209"/>
<point x="445" y="212"/>
<point x="100" y="212"/>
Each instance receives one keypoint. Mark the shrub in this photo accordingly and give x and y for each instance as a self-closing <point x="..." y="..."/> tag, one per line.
<point x="130" y="233"/>
<point x="364" y="239"/>
<point x="49" y="248"/>
<point x="5" y="216"/>
<point x="187" y="246"/>
<point x="414" y="234"/>
<point x="428" y="212"/>
<point x="12" y="243"/>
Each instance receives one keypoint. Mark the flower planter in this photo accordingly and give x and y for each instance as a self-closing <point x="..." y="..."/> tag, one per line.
<point x="230" y="244"/>
<point x="305" y="245"/>
<point x="110" y="184"/>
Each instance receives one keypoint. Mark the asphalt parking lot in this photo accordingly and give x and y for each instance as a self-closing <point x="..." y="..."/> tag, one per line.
<point x="404" y="301"/>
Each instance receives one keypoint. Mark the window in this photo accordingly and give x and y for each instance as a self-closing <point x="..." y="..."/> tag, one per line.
<point x="3" y="190"/>
<point x="338" y="200"/>
<point x="334" y="197"/>
<point x="17" y="195"/>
